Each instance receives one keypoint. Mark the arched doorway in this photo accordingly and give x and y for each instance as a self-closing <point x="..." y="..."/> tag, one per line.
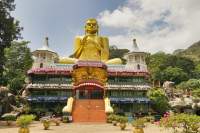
<point x="89" y="104"/>
<point x="89" y="91"/>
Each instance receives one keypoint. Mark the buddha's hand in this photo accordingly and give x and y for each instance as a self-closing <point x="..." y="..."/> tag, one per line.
<point x="84" y="40"/>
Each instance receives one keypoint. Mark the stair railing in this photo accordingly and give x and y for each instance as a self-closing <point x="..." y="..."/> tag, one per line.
<point x="68" y="107"/>
<point x="108" y="108"/>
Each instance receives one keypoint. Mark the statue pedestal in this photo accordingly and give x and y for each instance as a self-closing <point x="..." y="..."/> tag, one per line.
<point x="89" y="79"/>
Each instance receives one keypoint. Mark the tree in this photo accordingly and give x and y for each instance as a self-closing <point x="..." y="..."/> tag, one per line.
<point x="196" y="72"/>
<point x="117" y="53"/>
<point x="18" y="62"/>
<point x="154" y="62"/>
<point x="9" y="30"/>
<point x="191" y="84"/>
<point x="185" y="64"/>
<point x="174" y="74"/>
<point x="170" y="67"/>
<point x="159" y="100"/>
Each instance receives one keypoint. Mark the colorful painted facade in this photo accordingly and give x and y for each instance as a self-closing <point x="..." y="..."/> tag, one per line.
<point x="52" y="84"/>
<point x="90" y="84"/>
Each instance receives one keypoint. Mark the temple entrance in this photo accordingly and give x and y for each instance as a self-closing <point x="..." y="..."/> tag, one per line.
<point x="89" y="104"/>
<point x="89" y="110"/>
<point x="89" y="93"/>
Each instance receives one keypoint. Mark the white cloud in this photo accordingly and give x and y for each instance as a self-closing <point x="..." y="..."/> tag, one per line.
<point x="156" y="24"/>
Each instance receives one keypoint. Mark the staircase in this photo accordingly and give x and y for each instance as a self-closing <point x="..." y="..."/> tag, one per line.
<point x="89" y="111"/>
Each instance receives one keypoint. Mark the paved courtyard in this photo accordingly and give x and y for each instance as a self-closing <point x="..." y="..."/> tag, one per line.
<point x="37" y="127"/>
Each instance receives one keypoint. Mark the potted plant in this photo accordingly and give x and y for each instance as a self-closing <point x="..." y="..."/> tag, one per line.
<point x="138" y="125"/>
<point x="23" y="121"/>
<point x="65" y="119"/>
<point x="149" y="119"/>
<point x="46" y="123"/>
<point x="115" y="120"/>
<point x="8" y="118"/>
<point x="56" y="121"/>
<point x="123" y="120"/>
<point x="110" y="118"/>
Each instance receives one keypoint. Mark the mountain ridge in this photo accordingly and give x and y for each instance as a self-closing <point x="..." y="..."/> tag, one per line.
<point x="192" y="52"/>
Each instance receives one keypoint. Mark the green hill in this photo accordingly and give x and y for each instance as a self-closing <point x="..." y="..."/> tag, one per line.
<point x="192" y="52"/>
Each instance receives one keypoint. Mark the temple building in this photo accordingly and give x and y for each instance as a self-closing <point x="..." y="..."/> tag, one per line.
<point x="89" y="85"/>
<point x="52" y="84"/>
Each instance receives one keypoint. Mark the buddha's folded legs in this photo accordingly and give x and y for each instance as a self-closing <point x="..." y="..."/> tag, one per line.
<point x="115" y="61"/>
<point x="67" y="60"/>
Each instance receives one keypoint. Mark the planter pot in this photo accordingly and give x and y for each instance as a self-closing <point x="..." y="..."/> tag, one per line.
<point x="122" y="126"/>
<point x="152" y="121"/>
<point x="8" y="123"/>
<point x="109" y="121"/>
<point x="57" y="123"/>
<point x="46" y="125"/>
<point x="23" y="130"/>
<point x="138" y="130"/>
<point x="114" y="123"/>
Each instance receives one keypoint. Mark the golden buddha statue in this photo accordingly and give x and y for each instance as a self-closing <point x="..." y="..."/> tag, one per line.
<point x="91" y="46"/>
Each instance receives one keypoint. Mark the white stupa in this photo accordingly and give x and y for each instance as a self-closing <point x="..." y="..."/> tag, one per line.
<point x="44" y="56"/>
<point x="136" y="59"/>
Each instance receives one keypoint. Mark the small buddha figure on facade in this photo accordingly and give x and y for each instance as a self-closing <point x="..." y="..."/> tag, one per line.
<point x="91" y="46"/>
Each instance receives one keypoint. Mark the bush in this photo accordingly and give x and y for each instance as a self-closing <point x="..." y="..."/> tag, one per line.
<point x="8" y="118"/>
<point x="65" y="119"/>
<point x="24" y="120"/>
<point x="189" y="123"/>
<point x="159" y="100"/>
<point x="110" y="118"/>
<point x="196" y="93"/>
<point x="149" y="118"/>
<point x="123" y="119"/>
<point x="115" y="120"/>
<point x="139" y="122"/>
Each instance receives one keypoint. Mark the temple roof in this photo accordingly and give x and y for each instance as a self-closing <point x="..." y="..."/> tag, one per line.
<point x="45" y="47"/>
<point x="113" y="70"/>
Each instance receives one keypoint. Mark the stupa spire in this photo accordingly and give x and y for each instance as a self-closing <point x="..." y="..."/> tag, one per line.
<point x="135" y="46"/>
<point x="46" y="42"/>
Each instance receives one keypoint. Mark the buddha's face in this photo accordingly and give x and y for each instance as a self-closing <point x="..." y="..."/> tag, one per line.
<point x="91" y="26"/>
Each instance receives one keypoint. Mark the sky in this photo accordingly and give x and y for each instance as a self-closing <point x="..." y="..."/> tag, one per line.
<point x="158" y="25"/>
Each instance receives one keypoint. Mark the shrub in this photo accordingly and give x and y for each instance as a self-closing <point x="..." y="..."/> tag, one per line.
<point x="115" y="119"/>
<point x="24" y="120"/>
<point x="189" y="123"/>
<point x="123" y="119"/>
<point x="149" y="119"/>
<point x="65" y="119"/>
<point x="139" y="122"/>
<point x="159" y="100"/>
<point x="110" y="118"/>
<point x="8" y="118"/>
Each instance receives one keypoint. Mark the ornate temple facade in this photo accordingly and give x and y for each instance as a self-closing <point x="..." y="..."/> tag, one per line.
<point x="90" y="85"/>
<point x="52" y="84"/>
